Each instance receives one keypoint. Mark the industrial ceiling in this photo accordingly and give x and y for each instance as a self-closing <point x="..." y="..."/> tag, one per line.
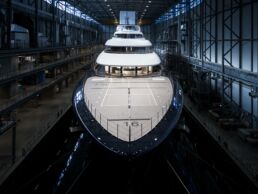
<point x="107" y="11"/>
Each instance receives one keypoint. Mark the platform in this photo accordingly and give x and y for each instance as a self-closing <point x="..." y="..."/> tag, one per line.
<point x="34" y="120"/>
<point x="243" y="154"/>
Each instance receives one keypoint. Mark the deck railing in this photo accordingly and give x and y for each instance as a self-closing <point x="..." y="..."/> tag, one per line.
<point x="123" y="127"/>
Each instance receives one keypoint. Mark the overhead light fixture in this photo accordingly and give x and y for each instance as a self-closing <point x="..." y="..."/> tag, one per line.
<point x="108" y="5"/>
<point x="149" y="1"/>
<point x="105" y="0"/>
<point x="147" y="6"/>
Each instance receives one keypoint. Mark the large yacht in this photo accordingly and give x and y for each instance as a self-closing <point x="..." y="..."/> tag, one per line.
<point x="127" y="103"/>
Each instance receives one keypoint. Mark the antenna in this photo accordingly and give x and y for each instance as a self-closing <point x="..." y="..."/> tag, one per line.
<point x="126" y="20"/>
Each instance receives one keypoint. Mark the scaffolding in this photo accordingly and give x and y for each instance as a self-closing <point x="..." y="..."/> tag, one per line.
<point x="220" y="37"/>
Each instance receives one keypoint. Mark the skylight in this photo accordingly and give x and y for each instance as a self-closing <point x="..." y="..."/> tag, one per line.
<point x="179" y="9"/>
<point x="64" y="6"/>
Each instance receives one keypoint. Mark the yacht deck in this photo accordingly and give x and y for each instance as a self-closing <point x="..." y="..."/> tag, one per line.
<point x="128" y="108"/>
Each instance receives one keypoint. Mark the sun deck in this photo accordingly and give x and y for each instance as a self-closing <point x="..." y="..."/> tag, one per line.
<point x="128" y="108"/>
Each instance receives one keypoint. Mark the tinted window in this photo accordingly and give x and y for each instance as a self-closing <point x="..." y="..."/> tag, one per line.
<point x="129" y="49"/>
<point x="128" y="35"/>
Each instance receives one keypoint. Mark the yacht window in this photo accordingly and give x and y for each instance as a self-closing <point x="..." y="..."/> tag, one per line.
<point x="128" y="36"/>
<point x="116" y="70"/>
<point x="128" y="50"/>
<point x="115" y="49"/>
<point x="133" y="71"/>
<point x="127" y="71"/>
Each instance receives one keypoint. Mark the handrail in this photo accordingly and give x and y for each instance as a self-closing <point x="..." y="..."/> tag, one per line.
<point x="4" y="76"/>
<point x="37" y="89"/>
<point x="129" y="52"/>
<point x="26" y="51"/>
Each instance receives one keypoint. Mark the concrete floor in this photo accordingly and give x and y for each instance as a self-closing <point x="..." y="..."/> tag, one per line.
<point x="245" y="155"/>
<point x="128" y="108"/>
<point x="34" y="120"/>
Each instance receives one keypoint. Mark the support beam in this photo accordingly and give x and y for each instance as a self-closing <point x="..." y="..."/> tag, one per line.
<point x="8" y="23"/>
<point x="53" y="38"/>
<point x="249" y="78"/>
<point x="14" y="144"/>
<point x="35" y="44"/>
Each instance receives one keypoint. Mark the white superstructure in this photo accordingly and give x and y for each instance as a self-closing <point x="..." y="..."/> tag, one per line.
<point x="127" y="96"/>
<point x="128" y="100"/>
<point x="128" y="48"/>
